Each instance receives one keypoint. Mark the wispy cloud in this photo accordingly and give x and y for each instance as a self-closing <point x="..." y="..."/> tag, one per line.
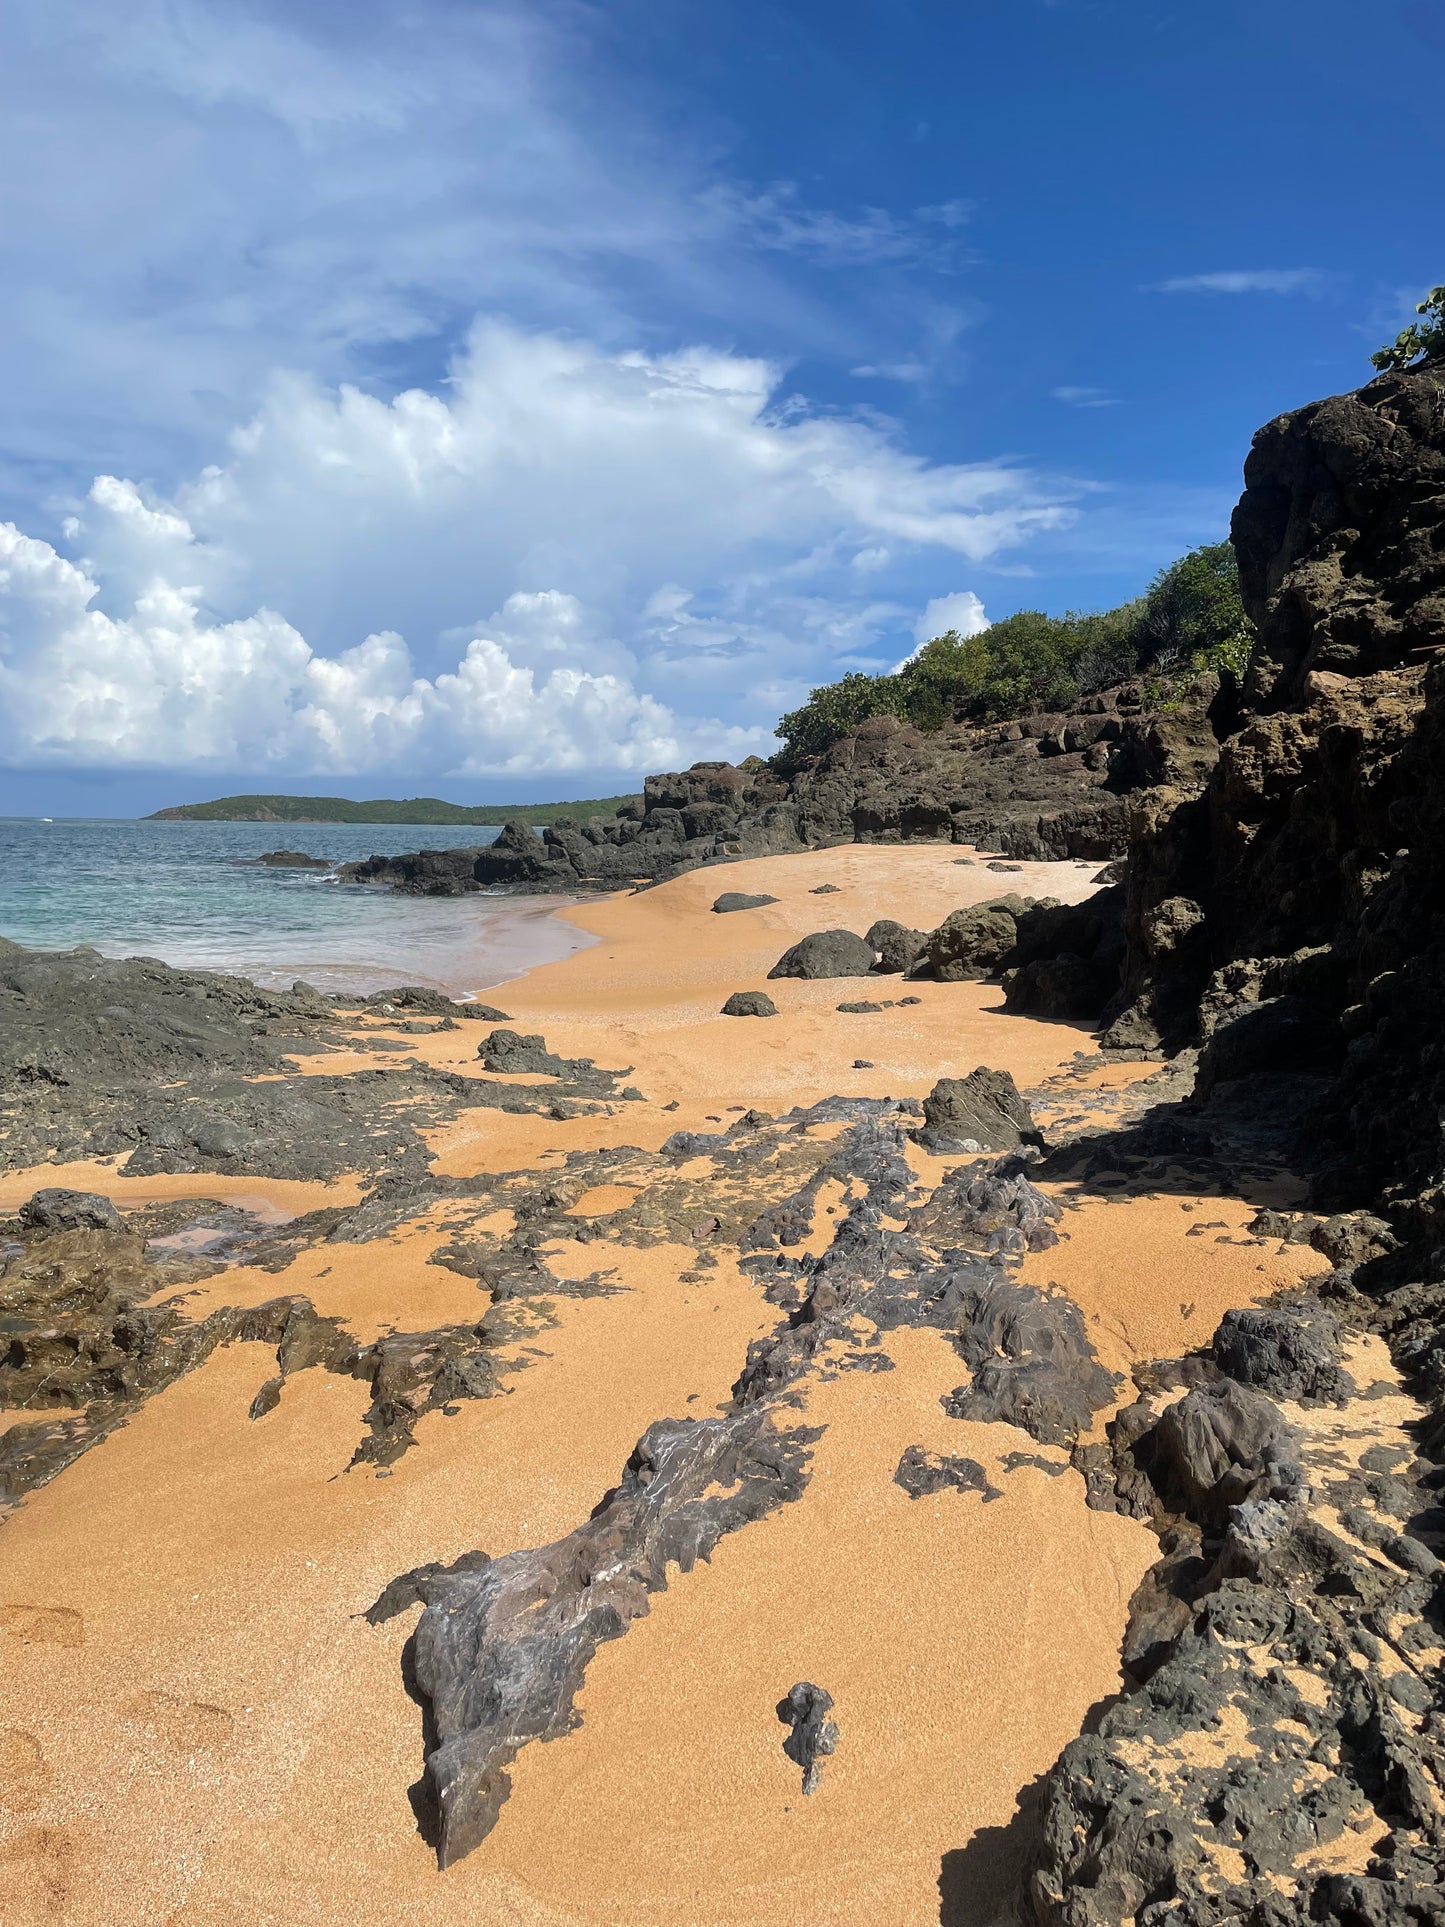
<point x="1086" y="397"/>
<point x="778" y="218"/>
<point x="1246" y="281"/>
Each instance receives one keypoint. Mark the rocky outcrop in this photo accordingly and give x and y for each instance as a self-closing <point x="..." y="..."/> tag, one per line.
<point x="1278" y="1758"/>
<point x="1287" y="918"/>
<point x="898" y="946"/>
<point x="980" y="1112"/>
<point x="87" y="1343"/>
<point x="1046" y="786"/>
<point x="503" y="1644"/>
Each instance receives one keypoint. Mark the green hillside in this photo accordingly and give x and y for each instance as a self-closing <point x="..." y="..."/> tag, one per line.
<point x="413" y="809"/>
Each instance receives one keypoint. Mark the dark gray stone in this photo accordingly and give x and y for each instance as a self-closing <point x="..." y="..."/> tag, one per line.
<point x="58" y="1210"/>
<point x="921" y="1474"/>
<point x="898" y="947"/>
<point x="805" y="1708"/>
<point x="984" y="1109"/>
<point x="827" y="953"/>
<point x="731" y="900"/>
<point x="750" y="1003"/>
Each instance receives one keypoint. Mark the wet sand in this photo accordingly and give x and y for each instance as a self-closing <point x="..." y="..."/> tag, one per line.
<point x="198" y="1729"/>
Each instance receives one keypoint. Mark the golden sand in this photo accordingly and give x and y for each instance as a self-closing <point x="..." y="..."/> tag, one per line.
<point x="197" y="1729"/>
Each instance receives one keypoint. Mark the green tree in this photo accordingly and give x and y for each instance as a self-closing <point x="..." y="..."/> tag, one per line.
<point x="1417" y="342"/>
<point x="832" y="710"/>
<point x="1193" y="616"/>
<point x="1190" y="619"/>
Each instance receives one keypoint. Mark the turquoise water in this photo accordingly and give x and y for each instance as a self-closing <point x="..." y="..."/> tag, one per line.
<point x="185" y="892"/>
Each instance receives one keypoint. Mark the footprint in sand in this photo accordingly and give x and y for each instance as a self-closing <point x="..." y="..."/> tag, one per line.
<point x="24" y="1776"/>
<point x="43" y="1625"/>
<point x="184" y="1726"/>
<point x="35" y="1873"/>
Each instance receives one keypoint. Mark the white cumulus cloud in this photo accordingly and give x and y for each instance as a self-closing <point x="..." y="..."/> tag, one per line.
<point x="668" y="557"/>
<point x="962" y="612"/>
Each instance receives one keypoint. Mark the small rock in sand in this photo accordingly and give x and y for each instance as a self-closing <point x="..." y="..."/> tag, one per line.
<point x="739" y="900"/>
<point x="814" y="1735"/>
<point x="750" y="1003"/>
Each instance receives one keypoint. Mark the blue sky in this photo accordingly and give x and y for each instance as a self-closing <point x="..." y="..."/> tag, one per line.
<point x="505" y="401"/>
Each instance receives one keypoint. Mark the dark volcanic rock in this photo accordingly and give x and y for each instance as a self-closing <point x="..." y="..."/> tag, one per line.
<point x="1288" y="1351"/>
<point x="1219" y="1446"/>
<point x="1048" y="787"/>
<point x="972" y="944"/>
<point x="738" y="900"/>
<point x="805" y="1708"/>
<point x="427" y="1002"/>
<point x="503" y="1644"/>
<point x="56" y="1210"/>
<point x="1067" y="960"/>
<point x="509" y="1053"/>
<point x="87" y="1345"/>
<point x="292" y="860"/>
<point x="827" y="953"/>
<point x="898" y="947"/>
<point x="502" y="1648"/>
<point x="983" y="1109"/>
<point x="1031" y="1360"/>
<point x="921" y="1474"/>
<point x="750" y="1003"/>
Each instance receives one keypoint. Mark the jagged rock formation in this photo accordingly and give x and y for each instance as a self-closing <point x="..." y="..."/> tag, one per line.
<point x="86" y="1345"/>
<point x="813" y="1736"/>
<point x="503" y="1644"/>
<point x="980" y="1112"/>
<point x="1046" y="786"/>
<point x="1304" y="874"/>
<point x="1280" y="1756"/>
<point x="181" y="1071"/>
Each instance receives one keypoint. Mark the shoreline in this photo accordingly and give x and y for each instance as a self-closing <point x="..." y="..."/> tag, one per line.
<point x="219" y="1732"/>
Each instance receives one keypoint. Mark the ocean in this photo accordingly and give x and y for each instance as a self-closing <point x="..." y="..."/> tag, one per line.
<point x="192" y="895"/>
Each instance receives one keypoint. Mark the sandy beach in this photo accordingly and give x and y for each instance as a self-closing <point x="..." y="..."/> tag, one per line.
<point x="198" y="1727"/>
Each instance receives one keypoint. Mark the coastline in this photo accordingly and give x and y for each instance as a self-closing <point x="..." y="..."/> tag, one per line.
<point x="210" y="1728"/>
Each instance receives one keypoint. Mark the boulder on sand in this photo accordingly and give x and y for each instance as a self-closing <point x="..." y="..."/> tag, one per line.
<point x="739" y="900"/>
<point x="826" y="953"/>
<point x="57" y="1210"/>
<point x="750" y="1003"/>
<point x="973" y="943"/>
<point x="983" y="1108"/>
<point x="898" y="947"/>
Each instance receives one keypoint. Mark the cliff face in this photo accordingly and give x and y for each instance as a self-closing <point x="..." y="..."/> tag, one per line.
<point x="1277" y="1755"/>
<point x="1289" y="915"/>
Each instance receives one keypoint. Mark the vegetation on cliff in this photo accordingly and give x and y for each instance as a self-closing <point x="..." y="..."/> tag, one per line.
<point x="1190" y="619"/>
<point x="1419" y="342"/>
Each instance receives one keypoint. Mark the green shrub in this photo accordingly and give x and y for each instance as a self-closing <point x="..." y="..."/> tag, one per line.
<point x="1417" y="343"/>
<point x="1190" y="619"/>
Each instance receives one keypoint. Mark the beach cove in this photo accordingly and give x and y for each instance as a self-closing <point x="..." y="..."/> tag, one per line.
<point x="200" y="1723"/>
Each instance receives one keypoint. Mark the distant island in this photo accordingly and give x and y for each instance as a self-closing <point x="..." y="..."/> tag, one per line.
<point x="412" y="809"/>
